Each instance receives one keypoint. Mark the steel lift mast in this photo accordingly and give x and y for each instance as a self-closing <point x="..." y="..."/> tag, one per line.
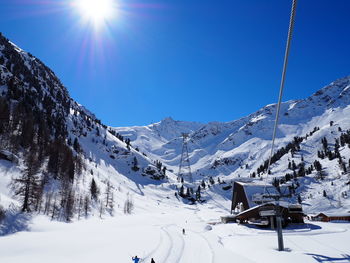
<point x="185" y="166"/>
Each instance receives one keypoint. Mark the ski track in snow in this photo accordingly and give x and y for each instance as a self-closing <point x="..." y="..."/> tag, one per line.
<point x="172" y="254"/>
<point x="212" y="253"/>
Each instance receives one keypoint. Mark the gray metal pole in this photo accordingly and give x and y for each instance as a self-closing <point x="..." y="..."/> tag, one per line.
<point x="279" y="228"/>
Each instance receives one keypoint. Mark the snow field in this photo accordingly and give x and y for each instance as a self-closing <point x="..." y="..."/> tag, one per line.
<point x="158" y="234"/>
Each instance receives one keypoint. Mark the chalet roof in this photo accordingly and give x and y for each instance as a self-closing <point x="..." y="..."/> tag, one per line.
<point x="255" y="191"/>
<point x="335" y="214"/>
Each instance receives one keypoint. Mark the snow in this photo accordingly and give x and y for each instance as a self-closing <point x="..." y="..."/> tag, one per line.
<point x="157" y="233"/>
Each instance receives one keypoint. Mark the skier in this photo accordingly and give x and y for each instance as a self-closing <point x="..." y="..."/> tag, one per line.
<point x="136" y="259"/>
<point x="152" y="261"/>
<point x="183" y="231"/>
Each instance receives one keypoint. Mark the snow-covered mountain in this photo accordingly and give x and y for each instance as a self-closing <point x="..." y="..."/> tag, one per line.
<point x="238" y="148"/>
<point x="55" y="154"/>
<point x="83" y="167"/>
<point x="236" y="139"/>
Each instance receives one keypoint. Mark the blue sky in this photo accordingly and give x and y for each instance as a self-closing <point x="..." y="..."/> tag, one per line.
<point x="193" y="60"/>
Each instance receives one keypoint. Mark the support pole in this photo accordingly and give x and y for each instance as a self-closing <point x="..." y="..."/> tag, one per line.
<point x="279" y="227"/>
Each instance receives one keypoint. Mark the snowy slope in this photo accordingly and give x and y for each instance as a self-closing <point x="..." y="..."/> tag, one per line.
<point x="106" y="157"/>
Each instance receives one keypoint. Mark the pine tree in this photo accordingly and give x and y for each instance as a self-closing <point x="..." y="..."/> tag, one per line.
<point x="188" y="193"/>
<point x="111" y="203"/>
<point x="86" y="205"/>
<point x="28" y="186"/>
<point x="94" y="191"/>
<point x="198" y="193"/>
<point x="135" y="167"/>
<point x="76" y="145"/>
<point x="211" y="180"/>
<point x="275" y="182"/>
<point x="80" y="206"/>
<point x="317" y="165"/>
<point x="127" y="141"/>
<point x="325" y="144"/>
<point x="301" y="172"/>
<point x="299" y="199"/>
<point x="182" y="191"/>
<point x="4" y="115"/>
<point x="109" y="195"/>
<point x="128" y="205"/>
<point x="2" y="214"/>
<point x="69" y="205"/>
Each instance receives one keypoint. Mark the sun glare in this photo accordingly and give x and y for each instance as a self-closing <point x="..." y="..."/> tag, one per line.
<point x="96" y="11"/>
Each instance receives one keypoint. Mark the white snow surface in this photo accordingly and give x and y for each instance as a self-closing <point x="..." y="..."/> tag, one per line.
<point x="157" y="233"/>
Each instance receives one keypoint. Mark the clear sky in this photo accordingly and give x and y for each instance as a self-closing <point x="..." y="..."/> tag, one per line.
<point x="193" y="60"/>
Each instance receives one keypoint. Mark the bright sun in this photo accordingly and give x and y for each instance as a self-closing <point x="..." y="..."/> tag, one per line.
<point x="96" y="11"/>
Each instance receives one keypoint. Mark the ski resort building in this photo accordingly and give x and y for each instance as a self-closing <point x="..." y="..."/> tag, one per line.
<point x="265" y="214"/>
<point x="328" y="217"/>
<point x="251" y="205"/>
<point x="248" y="194"/>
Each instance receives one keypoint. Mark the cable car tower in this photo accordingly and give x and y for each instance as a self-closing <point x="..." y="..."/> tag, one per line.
<point x="185" y="167"/>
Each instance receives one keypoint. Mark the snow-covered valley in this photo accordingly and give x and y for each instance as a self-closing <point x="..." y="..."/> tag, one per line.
<point x="158" y="234"/>
<point x="76" y="190"/>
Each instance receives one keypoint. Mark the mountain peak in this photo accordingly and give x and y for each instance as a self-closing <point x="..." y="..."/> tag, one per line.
<point x="167" y="120"/>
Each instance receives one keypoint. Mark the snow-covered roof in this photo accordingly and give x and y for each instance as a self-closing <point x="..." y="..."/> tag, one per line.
<point x="335" y="214"/>
<point x="254" y="192"/>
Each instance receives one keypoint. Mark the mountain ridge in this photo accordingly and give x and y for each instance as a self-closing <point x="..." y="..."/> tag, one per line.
<point x="258" y="124"/>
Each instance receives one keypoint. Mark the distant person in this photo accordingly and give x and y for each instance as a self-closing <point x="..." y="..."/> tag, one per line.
<point x="152" y="261"/>
<point x="183" y="231"/>
<point x="136" y="259"/>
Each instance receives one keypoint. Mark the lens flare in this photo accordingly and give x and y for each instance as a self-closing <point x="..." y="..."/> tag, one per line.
<point x="97" y="11"/>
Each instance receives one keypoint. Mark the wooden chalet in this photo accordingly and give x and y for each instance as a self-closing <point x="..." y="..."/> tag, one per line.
<point x="251" y="205"/>
<point x="328" y="217"/>
<point x="265" y="214"/>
